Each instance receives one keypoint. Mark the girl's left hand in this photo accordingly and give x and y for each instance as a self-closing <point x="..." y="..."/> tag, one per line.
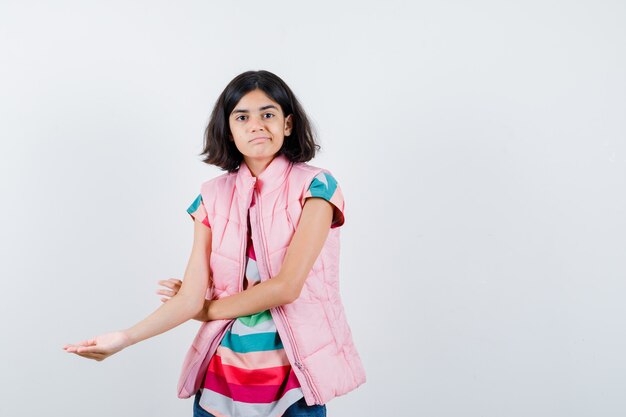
<point x="173" y="284"/>
<point x="100" y="347"/>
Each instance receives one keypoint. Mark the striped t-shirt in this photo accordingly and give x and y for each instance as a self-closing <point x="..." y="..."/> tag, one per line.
<point x="249" y="375"/>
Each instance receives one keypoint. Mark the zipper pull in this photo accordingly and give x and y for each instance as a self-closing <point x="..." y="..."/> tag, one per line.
<point x="299" y="365"/>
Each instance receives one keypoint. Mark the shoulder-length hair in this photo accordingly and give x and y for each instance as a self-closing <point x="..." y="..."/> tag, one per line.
<point x="220" y="150"/>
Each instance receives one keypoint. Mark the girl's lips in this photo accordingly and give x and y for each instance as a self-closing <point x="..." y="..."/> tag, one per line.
<point x="259" y="139"/>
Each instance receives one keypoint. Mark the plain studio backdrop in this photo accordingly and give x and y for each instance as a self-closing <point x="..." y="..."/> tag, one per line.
<point x="480" y="146"/>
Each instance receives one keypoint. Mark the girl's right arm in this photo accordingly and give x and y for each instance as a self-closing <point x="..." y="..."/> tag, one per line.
<point x="186" y="304"/>
<point x="174" y="285"/>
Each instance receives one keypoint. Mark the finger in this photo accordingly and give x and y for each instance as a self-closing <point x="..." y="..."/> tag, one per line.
<point x="172" y="284"/>
<point x="169" y="285"/>
<point x="169" y="293"/>
<point x="89" y="342"/>
<point x="175" y="282"/>
<point x="165" y="300"/>
<point x="170" y="281"/>
<point x="96" y="356"/>
<point x="79" y="349"/>
<point x="89" y="349"/>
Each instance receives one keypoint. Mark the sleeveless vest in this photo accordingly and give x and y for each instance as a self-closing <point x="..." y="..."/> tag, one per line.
<point x="313" y="329"/>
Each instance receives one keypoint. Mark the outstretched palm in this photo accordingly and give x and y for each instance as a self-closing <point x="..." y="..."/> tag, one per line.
<point x="100" y="347"/>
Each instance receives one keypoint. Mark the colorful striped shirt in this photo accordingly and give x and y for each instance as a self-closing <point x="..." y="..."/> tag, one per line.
<point x="250" y="375"/>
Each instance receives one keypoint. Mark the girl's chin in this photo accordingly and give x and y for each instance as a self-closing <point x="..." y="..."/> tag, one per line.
<point x="262" y="151"/>
<point x="260" y="155"/>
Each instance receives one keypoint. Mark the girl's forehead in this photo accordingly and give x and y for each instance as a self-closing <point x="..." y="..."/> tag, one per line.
<point x="255" y="100"/>
<point x="254" y="96"/>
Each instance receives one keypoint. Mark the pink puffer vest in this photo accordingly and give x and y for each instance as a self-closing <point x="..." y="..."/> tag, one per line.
<point x="313" y="329"/>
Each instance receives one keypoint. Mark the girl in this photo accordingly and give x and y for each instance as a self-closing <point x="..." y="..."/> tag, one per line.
<point x="263" y="270"/>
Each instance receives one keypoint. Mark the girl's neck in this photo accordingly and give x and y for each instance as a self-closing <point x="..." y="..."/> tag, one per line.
<point x="256" y="165"/>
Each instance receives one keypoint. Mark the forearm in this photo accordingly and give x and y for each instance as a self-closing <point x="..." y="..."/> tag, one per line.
<point x="176" y="311"/>
<point x="260" y="297"/>
<point x="285" y="287"/>
<point x="203" y="315"/>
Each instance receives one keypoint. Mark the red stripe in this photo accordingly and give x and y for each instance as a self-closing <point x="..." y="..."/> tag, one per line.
<point x="250" y="253"/>
<point x="206" y="221"/>
<point x="235" y="375"/>
<point x="249" y="393"/>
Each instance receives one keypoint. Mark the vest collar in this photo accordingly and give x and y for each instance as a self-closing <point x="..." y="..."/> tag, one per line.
<point x="271" y="178"/>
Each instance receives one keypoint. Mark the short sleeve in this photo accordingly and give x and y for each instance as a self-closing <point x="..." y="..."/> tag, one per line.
<point x="197" y="211"/>
<point x="325" y="186"/>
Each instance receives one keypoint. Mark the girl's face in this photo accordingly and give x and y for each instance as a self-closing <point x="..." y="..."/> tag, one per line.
<point x="258" y="127"/>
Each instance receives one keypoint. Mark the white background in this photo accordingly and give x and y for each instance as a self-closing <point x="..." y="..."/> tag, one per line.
<point x="480" y="146"/>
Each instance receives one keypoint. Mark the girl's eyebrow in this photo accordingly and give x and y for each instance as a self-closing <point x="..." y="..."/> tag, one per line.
<point x="269" y="106"/>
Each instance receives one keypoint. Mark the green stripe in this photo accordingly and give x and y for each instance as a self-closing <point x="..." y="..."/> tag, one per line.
<point x="252" y="342"/>
<point x="254" y="319"/>
<point x="196" y="203"/>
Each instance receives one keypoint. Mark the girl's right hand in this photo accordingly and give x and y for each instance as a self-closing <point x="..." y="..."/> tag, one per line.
<point x="174" y="286"/>
<point x="100" y="347"/>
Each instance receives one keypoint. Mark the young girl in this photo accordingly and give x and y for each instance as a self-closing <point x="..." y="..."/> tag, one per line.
<point x="263" y="270"/>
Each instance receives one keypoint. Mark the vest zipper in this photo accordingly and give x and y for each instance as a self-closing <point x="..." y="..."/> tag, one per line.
<point x="242" y="251"/>
<point x="296" y="353"/>
<point x="279" y="310"/>
<point x="244" y="242"/>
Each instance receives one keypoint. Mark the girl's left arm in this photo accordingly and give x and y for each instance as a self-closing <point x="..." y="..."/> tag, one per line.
<point x="284" y="288"/>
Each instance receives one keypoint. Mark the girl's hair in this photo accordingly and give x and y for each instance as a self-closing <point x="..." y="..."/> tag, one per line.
<point x="220" y="150"/>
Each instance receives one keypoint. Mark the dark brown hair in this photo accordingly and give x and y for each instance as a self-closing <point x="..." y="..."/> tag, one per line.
<point x="220" y="151"/>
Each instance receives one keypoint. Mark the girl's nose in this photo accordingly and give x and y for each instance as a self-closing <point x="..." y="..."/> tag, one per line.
<point x="256" y="124"/>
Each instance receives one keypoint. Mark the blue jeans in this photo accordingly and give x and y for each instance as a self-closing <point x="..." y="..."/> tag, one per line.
<point x="297" y="409"/>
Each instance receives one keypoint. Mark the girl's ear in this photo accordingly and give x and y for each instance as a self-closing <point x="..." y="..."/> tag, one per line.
<point x="288" y="124"/>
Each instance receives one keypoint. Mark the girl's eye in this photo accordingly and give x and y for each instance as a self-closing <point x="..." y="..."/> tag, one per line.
<point x="268" y="115"/>
<point x="240" y="117"/>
